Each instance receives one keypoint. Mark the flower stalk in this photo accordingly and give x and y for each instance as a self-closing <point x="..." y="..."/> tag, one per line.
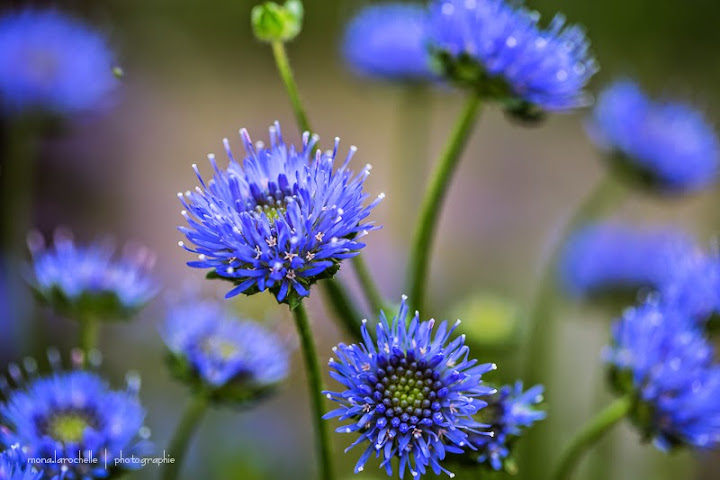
<point x="433" y="201"/>
<point x="590" y="434"/>
<point x="314" y="378"/>
<point x="189" y="422"/>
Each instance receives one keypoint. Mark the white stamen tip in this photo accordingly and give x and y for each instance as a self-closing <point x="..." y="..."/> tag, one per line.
<point x="404" y="297"/>
<point x="381" y="196"/>
<point x="494" y="366"/>
<point x="181" y="243"/>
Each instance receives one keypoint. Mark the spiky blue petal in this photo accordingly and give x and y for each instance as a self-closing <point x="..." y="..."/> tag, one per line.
<point x="90" y="280"/>
<point x="500" y="49"/>
<point x="509" y="413"/>
<point x="612" y="257"/>
<point x="281" y="220"/>
<point x="389" y="41"/>
<point x="70" y="415"/>
<point x="53" y="63"/>
<point x="14" y="466"/>
<point x="409" y="395"/>
<point x="667" y="145"/>
<point x="660" y="358"/>
<point x="224" y="353"/>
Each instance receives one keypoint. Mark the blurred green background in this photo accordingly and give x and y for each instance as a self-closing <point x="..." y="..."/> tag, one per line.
<point x="194" y="74"/>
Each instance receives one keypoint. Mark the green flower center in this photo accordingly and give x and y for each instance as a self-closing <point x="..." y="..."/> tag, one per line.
<point x="68" y="427"/>
<point x="220" y="346"/>
<point x="273" y="211"/>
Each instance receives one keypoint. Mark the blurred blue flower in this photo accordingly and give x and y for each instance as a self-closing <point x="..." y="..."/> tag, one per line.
<point x="658" y="357"/>
<point x="53" y="63"/>
<point x="499" y="49"/>
<point x="88" y="281"/>
<point x="236" y="360"/>
<point x="612" y="258"/>
<point x="71" y="415"/>
<point x="389" y="41"/>
<point x="280" y="221"/>
<point x="509" y="412"/>
<point x="14" y="466"/>
<point x="410" y="394"/>
<point x="692" y="283"/>
<point x="665" y="145"/>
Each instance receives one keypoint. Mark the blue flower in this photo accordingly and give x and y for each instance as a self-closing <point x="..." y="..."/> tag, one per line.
<point x="72" y="415"/>
<point x="89" y="281"/>
<point x="280" y="221"/>
<point x="510" y="411"/>
<point x="499" y="50"/>
<point x="666" y="365"/>
<point x="692" y="283"/>
<point x="53" y="63"/>
<point x="389" y="41"/>
<point x="237" y="361"/>
<point x="614" y="258"/>
<point x="410" y="394"/>
<point x="14" y="466"/>
<point x="665" y="145"/>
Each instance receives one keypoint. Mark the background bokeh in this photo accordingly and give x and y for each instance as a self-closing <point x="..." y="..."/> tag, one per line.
<point x="194" y="74"/>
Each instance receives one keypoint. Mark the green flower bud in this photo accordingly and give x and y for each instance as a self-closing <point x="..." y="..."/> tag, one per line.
<point x="277" y="23"/>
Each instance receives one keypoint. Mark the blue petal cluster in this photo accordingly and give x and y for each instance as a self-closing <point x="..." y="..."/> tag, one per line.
<point x="692" y="283"/>
<point x="513" y="58"/>
<point x="389" y="41"/>
<point x="666" y="363"/>
<point x="280" y="221"/>
<point x="53" y="63"/>
<point x="411" y="394"/>
<point x="612" y="257"/>
<point x="510" y="411"/>
<point x="14" y="466"/>
<point x="667" y="145"/>
<point x="73" y="414"/>
<point x="90" y="280"/>
<point x="212" y="347"/>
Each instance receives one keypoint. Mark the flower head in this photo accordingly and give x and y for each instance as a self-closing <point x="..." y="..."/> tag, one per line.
<point x="509" y="412"/>
<point x="14" y="466"/>
<point x="389" y="41"/>
<point x="664" y="145"/>
<point x="614" y="258"/>
<point x="211" y="349"/>
<point x="53" y="63"/>
<point x="499" y="50"/>
<point x="71" y="414"/>
<point x="411" y="394"/>
<point x="89" y="280"/>
<point x="665" y="363"/>
<point x="280" y="221"/>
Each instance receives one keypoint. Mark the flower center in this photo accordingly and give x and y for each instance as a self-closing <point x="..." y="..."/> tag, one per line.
<point x="407" y="392"/>
<point x="68" y="427"/>
<point x="272" y="211"/>
<point x="225" y="348"/>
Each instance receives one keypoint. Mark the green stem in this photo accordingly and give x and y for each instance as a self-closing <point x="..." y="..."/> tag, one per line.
<point x="595" y="205"/>
<point x="342" y="305"/>
<point x="183" y="434"/>
<point x="411" y="151"/>
<point x="286" y="73"/>
<point x="432" y="203"/>
<point x="314" y="378"/>
<point x="590" y="434"/>
<point x="542" y="330"/>
<point x="371" y="291"/>
<point x="89" y="329"/>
